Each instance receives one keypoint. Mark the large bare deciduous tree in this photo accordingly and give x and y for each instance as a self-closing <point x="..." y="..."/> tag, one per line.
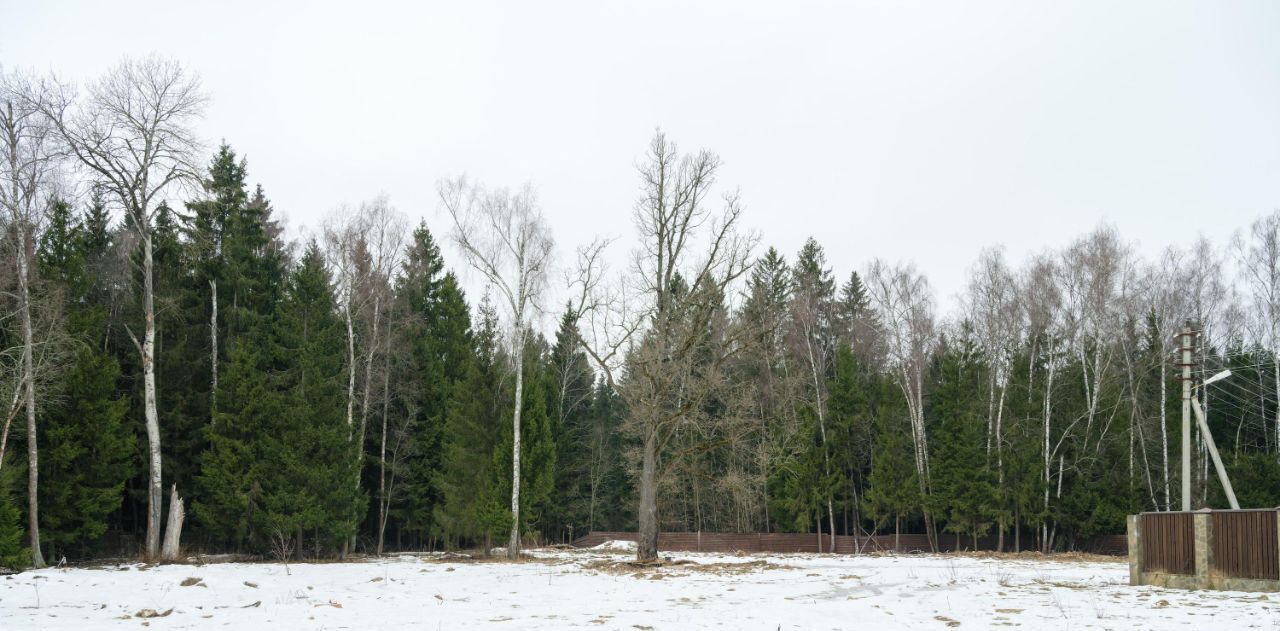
<point x="29" y="153"/>
<point x="133" y="131"/>
<point x="504" y="237"/>
<point x="690" y="255"/>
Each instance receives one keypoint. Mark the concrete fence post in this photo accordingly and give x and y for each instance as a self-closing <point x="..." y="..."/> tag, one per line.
<point x="1204" y="547"/>
<point x="1135" y="549"/>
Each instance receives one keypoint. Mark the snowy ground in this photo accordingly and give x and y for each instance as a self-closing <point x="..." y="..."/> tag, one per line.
<point x="598" y="589"/>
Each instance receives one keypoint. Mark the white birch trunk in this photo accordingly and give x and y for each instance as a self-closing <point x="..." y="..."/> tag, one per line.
<point x="29" y="394"/>
<point x="1048" y="456"/>
<point x="513" y="546"/>
<point x="383" y="497"/>
<point x="351" y="364"/>
<point x="820" y="407"/>
<point x="173" y="530"/>
<point x="1164" y="431"/>
<point x="12" y="413"/>
<point x="155" y="491"/>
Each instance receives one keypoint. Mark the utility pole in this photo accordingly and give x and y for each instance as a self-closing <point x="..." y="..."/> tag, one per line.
<point x="1186" y="415"/>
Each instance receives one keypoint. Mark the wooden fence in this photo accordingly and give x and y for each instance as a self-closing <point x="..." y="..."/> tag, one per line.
<point x="1206" y="549"/>
<point x="1168" y="543"/>
<point x="1245" y="544"/>
<point x="787" y="542"/>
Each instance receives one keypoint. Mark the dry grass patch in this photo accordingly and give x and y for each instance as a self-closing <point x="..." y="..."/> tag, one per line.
<point x="654" y="570"/>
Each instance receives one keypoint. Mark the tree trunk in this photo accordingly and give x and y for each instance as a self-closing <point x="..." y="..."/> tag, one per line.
<point x="14" y="407"/>
<point x="1276" y="368"/>
<point x="822" y="428"/>
<point x="364" y="403"/>
<point x="1017" y="531"/>
<point x="513" y="546"/>
<point x="29" y="393"/>
<point x="1048" y="456"/>
<point x="351" y="364"/>
<point x="213" y="353"/>
<point x="383" y="499"/>
<point x="1164" y="431"/>
<point x="173" y="531"/>
<point x="155" y="491"/>
<point x="647" y="542"/>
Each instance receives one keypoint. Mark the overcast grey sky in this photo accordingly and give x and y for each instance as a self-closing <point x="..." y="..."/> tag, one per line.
<point x="904" y="130"/>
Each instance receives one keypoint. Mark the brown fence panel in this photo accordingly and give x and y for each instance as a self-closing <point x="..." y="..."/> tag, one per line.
<point x="791" y="542"/>
<point x="1244" y="544"/>
<point x="1112" y="545"/>
<point x="1169" y="543"/>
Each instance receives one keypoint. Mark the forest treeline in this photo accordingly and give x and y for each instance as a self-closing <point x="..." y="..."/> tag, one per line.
<point x="339" y="393"/>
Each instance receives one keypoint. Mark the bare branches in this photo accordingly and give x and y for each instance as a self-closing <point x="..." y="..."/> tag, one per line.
<point x="132" y="131"/>
<point x="666" y="321"/>
<point x="504" y="237"/>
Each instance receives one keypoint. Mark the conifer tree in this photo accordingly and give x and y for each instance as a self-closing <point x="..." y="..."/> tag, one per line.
<point x="12" y="554"/>
<point x="612" y="493"/>
<point x="231" y="482"/>
<point x="851" y="429"/>
<point x="570" y="388"/>
<point x="538" y="452"/>
<point x="312" y="491"/>
<point x="435" y="329"/>
<point x="894" y="494"/>
<point x="88" y="454"/>
<point x="471" y="472"/>
<point x="964" y="484"/>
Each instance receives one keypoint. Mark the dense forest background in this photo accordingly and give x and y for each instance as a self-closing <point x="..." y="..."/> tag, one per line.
<point x="322" y="395"/>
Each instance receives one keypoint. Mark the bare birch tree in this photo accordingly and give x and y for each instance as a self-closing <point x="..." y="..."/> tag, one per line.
<point x="904" y="302"/>
<point x="504" y="237"/>
<point x="1258" y="260"/>
<point x="996" y="316"/>
<point x="30" y="152"/>
<point x="133" y="133"/>
<point x="364" y="247"/>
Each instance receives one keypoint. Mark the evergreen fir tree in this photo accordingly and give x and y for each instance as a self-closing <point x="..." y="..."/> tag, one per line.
<point x="314" y="491"/>
<point x="436" y="331"/>
<point x="893" y="494"/>
<point x="849" y="409"/>
<point x="611" y="503"/>
<point x="88" y="446"/>
<point x="12" y="553"/>
<point x="570" y="385"/>
<point x="470" y="478"/>
<point x="963" y="483"/>
<point x="233" y="470"/>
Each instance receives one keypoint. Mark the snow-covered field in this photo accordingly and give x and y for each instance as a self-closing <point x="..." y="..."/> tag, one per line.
<point x="598" y="589"/>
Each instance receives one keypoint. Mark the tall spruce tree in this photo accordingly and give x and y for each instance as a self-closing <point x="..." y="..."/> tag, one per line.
<point x="893" y="496"/>
<point x="436" y="336"/>
<point x="12" y="553"/>
<point x="570" y="387"/>
<point x="964" y="483"/>
<point x="88" y="453"/>
<point x="851" y="431"/>
<point x="311" y="493"/>
<point x="537" y="449"/>
<point x="470" y="477"/>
